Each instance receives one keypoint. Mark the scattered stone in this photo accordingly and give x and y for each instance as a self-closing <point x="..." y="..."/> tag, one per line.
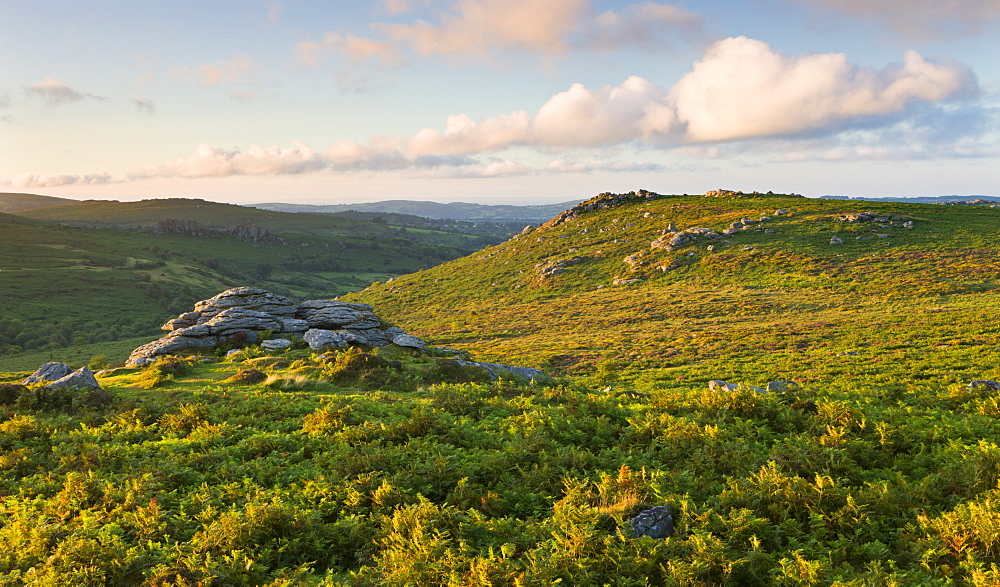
<point x="409" y="341"/>
<point x="781" y="211"/>
<point x="496" y="371"/>
<point x="657" y="522"/>
<point x="908" y="224"/>
<point x="625" y="281"/>
<point x="847" y="354"/>
<point x="82" y="378"/>
<point x="719" y="385"/>
<point x="836" y="240"/>
<point x="319" y="339"/>
<point x="48" y="372"/>
<point x="783" y="386"/>
<point x="987" y="383"/>
<point x="672" y="240"/>
<point x="276" y="344"/>
<point x="547" y="269"/>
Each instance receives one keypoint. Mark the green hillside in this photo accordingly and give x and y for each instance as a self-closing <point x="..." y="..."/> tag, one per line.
<point x="69" y="285"/>
<point x="10" y="202"/>
<point x="872" y="459"/>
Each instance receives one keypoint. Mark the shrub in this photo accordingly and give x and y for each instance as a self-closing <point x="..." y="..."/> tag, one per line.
<point x="247" y="376"/>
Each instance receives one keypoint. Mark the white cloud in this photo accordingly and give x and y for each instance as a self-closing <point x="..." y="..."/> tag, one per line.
<point x="462" y="135"/>
<point x="566" y="166"/>
<point x="209" y="161"/>
<point x="41" y="180"/>
<point x="54" y="92"/>
<point x="741" y="89"/>
<point x="918" y="19"/>
<point x="144" y="105"/>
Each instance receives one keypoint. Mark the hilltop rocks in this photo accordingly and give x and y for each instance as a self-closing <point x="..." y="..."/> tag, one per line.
<point x="600" y="202"/>
<point x="887" y="219"/>
<point x="239" y="315"/>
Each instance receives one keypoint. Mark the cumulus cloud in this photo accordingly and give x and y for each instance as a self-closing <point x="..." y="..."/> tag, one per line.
<point x="918" y="19"/>
<point x="210" y="161"/>
<point x="741" y="88"/>
<point x="144" y="105"/>
<point x="42" y="180"/>
<point x="54" y="92"/>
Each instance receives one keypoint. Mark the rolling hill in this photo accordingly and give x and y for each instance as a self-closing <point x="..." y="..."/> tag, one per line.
<point x="12" y="202"/>
<point x="101" y="271"/>
<point x="810" y="388"/>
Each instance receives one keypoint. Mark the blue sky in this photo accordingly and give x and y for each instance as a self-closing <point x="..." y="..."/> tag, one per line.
<point x="521" y="101"/>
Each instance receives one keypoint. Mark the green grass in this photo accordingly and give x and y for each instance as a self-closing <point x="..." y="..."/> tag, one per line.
<point x="881" y="469"/>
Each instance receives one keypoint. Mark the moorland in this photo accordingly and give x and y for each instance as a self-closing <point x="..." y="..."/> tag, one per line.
<point x="875" y="463"/>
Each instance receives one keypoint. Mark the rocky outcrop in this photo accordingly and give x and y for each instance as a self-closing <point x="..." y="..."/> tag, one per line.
<point x="48" y="372"/>
<point x="240" y="315"/>
<point x="82" y="378"/>
<point x="600" y="202"/>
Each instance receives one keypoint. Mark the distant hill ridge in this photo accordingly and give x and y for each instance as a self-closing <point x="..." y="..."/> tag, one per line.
<point x="452" y="210"/>
<point x="919" y="199"/>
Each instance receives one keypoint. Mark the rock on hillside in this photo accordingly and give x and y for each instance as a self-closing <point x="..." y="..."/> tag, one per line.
<point x="241" y="314"/>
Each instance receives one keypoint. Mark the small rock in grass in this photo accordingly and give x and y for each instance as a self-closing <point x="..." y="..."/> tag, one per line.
<point x="987" y="383"/>
<point x="655" y="522"/>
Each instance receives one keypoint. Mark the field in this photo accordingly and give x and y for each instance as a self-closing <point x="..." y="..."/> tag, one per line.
<point x="877" y="464"/>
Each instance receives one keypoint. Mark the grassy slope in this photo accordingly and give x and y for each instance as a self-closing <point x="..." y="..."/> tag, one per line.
<point x="63" y="282"/>
<point x="9" y="202"/>
<point x="882" y="470"/>
<point x="789" y="297"/>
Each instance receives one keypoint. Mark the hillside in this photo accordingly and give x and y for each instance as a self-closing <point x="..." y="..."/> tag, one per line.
<point x="535" y="214"/>
<point x="809" y="388"/>
<point x="11" y="202"/>
<point x="71" y="285"/>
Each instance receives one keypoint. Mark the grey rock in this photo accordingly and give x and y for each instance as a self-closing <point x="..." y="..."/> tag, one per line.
<point x="293" y="325"/>
<point x="333" y="314"/>
<point x="148" y="352"/>
<point x="496" y="371"/>
<point x="719" y="385"/>
<point x="82" y="378"/>
<point x="252" y="298"/>
<point x="233" y="320"/>
<point x="987" y="383"/>
<point x="198" y="330"/>
<point x="655" y="522"/>
<point x="836" y="240"/>
<point x="319" y="339"/>
<point x="409" y="341"/>
<point x="275" y="344"/>
<point x="53" y="371"/>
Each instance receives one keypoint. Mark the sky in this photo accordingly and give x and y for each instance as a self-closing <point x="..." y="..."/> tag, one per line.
<point x="497" y="101"/>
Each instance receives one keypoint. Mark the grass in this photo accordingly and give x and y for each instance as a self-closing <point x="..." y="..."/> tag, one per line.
<point x="880" y="467"/>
